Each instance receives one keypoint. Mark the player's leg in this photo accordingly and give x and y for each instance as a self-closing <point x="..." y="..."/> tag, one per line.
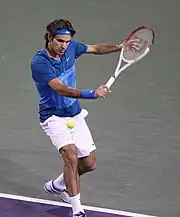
<point x="86" y="147"/>
<point x="61" y="138"/>
<point x="87" y="164"/>
<point x="71" y="176"/>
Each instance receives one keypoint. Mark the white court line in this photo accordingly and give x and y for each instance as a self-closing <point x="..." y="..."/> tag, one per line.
<point x="55" y="203"/>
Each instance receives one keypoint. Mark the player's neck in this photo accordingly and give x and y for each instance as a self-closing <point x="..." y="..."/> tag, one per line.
<point x="52" y="54"/>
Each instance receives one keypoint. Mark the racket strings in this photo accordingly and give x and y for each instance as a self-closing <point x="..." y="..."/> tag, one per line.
<point x="142" y="45"/>
<point x="131" y="52"/>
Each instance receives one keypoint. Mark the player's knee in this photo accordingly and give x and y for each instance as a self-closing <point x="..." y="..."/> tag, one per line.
<point x="91" y="166"/>
<point x="69" y="155"/>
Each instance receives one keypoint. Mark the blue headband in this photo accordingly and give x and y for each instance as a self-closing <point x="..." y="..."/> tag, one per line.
<point x="63" y="31"/>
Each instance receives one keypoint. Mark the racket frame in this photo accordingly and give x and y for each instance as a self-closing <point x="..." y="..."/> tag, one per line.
<point x="119" y="70"/>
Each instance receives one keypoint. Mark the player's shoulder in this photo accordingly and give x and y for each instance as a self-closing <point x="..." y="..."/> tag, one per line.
<point x="73" y="42"/>
<point x="39" y="62"/>
<point x="76" y="43"/>
<point x="76" y="47"/>
<point x="79" y="48"/>
<point x="72" y="45"/>
<point x="39" y="57"/>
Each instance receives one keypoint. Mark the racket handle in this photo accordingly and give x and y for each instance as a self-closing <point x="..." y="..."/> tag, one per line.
<point x="110" y="82"/>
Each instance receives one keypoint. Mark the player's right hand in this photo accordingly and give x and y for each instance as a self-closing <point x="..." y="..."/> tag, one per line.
<point x="101" y="92"/>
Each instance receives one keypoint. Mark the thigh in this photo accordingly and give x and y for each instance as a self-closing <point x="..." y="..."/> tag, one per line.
<point x="83" y="137"/>
<point x="59" y="134"/>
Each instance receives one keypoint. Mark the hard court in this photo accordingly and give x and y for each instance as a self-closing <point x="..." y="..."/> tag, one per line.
<point x="136" y="128"/>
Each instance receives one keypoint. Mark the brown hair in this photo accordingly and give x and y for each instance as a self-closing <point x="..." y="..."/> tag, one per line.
<point x="55" y="25"/>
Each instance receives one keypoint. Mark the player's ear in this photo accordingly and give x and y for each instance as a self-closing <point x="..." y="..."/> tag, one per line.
<point x="50" y="37"/>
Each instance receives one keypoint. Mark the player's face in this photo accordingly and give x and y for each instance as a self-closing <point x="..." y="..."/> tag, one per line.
<point x="59" y="43"/>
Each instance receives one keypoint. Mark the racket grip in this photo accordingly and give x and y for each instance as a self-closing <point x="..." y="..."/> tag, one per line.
<point x="110" y="82"/>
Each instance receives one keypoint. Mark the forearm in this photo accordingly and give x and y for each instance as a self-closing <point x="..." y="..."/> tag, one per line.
<point x="107" y="48"/>
<point x="77" y="93"/>
<point x="69" y="92"/>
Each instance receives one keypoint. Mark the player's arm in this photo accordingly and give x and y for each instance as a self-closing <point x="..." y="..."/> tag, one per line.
<point x="43" y="74"/>
<point x="103" y="48"/>
<point x="57" y="85"/>
<point x="64" y="90"/>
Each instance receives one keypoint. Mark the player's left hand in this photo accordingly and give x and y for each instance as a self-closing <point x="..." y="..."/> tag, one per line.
<point x="133" y="44"/>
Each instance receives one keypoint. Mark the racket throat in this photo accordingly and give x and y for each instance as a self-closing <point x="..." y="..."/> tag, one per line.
<point x="110" y="81"/>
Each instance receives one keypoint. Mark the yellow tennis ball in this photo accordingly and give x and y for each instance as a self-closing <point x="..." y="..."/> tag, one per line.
<point x="70" y="124"/>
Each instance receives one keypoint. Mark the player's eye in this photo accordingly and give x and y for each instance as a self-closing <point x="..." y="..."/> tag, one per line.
<point x="62" y="41"/>
<point x="59" y="40"/>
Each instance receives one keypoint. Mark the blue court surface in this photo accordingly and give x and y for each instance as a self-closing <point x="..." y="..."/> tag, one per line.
<point x="17" y="206"/>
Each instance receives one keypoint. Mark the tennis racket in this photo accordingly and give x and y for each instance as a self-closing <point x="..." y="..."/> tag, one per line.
<point x="136" y="46"/>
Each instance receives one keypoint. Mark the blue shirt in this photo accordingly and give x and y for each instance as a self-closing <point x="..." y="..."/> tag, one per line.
<point x="44" y="69"/>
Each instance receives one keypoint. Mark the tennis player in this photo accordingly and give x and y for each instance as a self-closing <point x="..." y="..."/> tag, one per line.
<point x="53" y="71"/>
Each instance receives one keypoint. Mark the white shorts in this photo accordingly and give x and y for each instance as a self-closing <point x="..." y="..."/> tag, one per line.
<point x="60" y="135"/>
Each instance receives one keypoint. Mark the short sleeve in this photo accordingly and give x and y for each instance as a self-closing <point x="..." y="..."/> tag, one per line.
<point x="80" y="48"/>
<point x="42" y="72"/>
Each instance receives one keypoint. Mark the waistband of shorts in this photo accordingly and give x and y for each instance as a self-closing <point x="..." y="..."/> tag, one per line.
<point x="43" y="118"/>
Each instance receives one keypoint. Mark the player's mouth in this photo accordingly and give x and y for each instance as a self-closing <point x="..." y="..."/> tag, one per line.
<point x="61" y="51"/>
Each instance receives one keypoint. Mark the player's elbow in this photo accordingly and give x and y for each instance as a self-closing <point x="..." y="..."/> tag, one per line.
<point x="97" y="50"/>
<point x="64" y="90"/>
<point x="57" y="85"/>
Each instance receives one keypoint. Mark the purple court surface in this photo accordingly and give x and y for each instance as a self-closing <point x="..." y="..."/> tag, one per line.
<point x="17" y="206"/>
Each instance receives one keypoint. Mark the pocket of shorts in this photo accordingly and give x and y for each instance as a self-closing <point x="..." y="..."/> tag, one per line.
<point x="45" y="123"/>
